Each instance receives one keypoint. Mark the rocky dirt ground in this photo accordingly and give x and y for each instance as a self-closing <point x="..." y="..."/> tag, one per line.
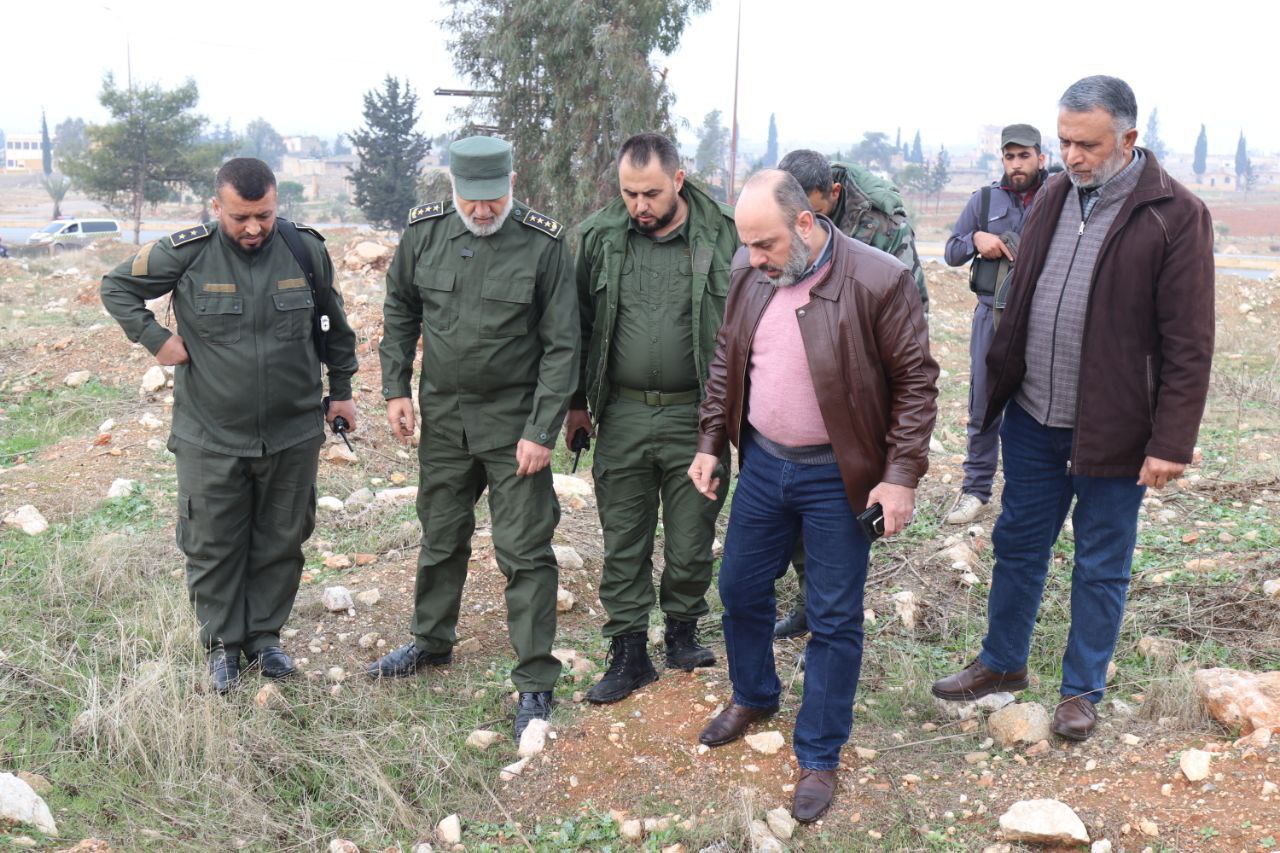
<point x="919" y="778"/>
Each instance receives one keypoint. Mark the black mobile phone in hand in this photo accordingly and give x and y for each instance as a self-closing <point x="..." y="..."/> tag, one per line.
<point x="871" y="520"/>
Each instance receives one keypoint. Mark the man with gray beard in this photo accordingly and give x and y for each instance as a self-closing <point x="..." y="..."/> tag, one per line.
<point x="1101" y="368"/>
<point x="823" y="380"/>
<point x="491" y="284"/>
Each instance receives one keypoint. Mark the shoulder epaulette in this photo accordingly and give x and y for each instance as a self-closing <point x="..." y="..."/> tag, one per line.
<point x="313" y="232"/>
<point x="540" y="222"/>
<point x="189" y="235"/>
<point x="433" y="210"/>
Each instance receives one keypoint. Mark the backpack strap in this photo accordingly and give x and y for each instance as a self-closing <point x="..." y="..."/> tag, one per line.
<point x="320" y="318"/>
<point x="985" y="214"/>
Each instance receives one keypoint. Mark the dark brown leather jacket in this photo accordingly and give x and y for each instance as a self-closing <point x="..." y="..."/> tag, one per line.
<point x="867" y="345"/>
<point x="1148" y="331"/>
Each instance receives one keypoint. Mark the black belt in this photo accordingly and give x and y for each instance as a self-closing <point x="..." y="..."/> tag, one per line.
<point x="659" y="398"/>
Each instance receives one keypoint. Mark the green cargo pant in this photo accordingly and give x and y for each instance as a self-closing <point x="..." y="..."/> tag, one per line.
<point x="642" y="458"/>
<point x="241" y="525"/>
<point x="524" y="513"/>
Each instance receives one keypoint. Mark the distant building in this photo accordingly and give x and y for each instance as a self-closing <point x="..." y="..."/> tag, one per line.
<point x="304" y="146"/>
<point x="22" y="154"/>
<point x="322" y="177"/>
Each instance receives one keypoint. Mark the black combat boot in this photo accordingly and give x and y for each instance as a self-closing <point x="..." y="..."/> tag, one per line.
<point x="683" y="649"/>
<point x="629" y="669"/>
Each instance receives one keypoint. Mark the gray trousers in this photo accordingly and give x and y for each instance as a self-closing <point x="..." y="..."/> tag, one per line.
<point x="984" y="444"/>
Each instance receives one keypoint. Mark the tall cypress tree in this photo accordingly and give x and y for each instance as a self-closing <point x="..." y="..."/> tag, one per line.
<point x="771" y="149"/>
<point x="917" y="153"/>
<point x="1200" y="165"/>
<point x="1244" y="169"/>
<point x="391" y="152"/>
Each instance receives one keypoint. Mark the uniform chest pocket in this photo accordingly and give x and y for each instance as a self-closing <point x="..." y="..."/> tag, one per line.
<point x="293" y="314"/>
<point x="218" y="318"/>
<point x="506" y="307"/>
<point x="439" y="303"/>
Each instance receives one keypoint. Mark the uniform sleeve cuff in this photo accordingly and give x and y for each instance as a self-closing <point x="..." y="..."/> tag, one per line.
<point x="539" y="435"/>
<point x="153" y="337"/>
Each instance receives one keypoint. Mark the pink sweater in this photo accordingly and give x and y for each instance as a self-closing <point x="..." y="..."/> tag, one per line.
<point x="781" y="403"/>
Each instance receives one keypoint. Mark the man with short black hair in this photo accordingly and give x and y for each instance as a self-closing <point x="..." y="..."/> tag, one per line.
<point x="987" y="234"/>
<point x="652" y="271"/>
<point x="1101" y="367"/>
<point x="248" y="422"/>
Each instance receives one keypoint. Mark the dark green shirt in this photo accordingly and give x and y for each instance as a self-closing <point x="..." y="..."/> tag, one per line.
<point x="653" y="337"/>
<point x="498" y="322"/>
<point x="252" y="385"/>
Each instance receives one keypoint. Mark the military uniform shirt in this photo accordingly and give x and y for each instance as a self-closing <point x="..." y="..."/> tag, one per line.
<point x="499" y="326"/>
<point x="653" y="336"/>
<point x="253" y="385"/>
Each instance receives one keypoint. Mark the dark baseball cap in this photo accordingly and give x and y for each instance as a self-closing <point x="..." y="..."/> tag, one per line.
<point x="1020" y="134"/>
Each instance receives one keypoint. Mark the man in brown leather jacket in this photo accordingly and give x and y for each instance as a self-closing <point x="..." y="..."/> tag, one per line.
<point x="823" y="380"/>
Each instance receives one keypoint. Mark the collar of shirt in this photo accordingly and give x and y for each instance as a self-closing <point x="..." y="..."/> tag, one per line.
<point x="823" y="256"/>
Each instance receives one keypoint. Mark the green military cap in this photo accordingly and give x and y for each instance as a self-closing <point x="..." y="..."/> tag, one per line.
<point x="481" y="167"/>
<point x="1020" y="134"/>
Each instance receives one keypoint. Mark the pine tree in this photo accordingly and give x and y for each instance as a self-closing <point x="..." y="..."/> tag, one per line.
<point x="391" y="152"/>
<point x="711" y="160"/>
<point x="570" y="82"/>
<point x="1200" y="164"/>
<point x="261" y="140"/>
<point x="917" y="153"/>
<point x="770" y="158"/>
<point x="145" y="151"/>
<point x="1151" y="139"/>
<point x="1244" y="168"/>
<point x="46" y="147"/>
<point x="55" y="185"/>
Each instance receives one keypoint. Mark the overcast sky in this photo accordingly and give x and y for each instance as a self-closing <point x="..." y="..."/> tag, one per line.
<point x="829" y="70"/>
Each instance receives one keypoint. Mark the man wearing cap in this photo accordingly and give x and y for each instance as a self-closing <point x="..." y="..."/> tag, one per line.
<point x="487" y="284"/>
<point x="987" y="233"/>
<point x="653" y="272"/>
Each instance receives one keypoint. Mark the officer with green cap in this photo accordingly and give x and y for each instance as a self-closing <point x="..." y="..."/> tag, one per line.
<point x="247" y="417"/>
<point x="486" y="284"/>
<point x="653" y="273"/>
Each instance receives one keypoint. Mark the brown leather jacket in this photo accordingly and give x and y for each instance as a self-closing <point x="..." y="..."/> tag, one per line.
<point x="1148" y="331"/>
<point x="867" y="344"/>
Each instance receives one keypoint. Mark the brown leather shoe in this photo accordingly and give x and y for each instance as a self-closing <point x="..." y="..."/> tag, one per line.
<point x="975" y="681"/>
<point x="1074" y="718"/>
<point x="730" y="723"/>
<point x="814" y="791"/>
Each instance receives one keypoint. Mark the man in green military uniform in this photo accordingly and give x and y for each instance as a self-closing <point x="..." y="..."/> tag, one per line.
<point x="491" y="282"/>
<point x="862" y="205"/>
<point x="247" y="417"/>
<point x="653" y="273"/>
<point x="868" y="209"/>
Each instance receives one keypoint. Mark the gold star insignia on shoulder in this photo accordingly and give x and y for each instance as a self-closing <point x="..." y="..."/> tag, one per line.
<point x="189" y="235"/>
<point x="543" y="223"/>
<point x="433" y="210"/>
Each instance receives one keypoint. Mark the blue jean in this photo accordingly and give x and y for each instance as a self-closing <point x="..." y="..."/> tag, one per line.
<point x="1038" y="491"/>
<point x="984" y="444"/>
<point x="775" y="501"/>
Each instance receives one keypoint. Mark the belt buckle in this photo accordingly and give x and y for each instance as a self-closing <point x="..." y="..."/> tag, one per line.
<point x="653" y="398"/>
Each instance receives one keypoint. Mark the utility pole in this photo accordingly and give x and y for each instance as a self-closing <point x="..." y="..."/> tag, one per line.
<point x="733" y="139"/>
